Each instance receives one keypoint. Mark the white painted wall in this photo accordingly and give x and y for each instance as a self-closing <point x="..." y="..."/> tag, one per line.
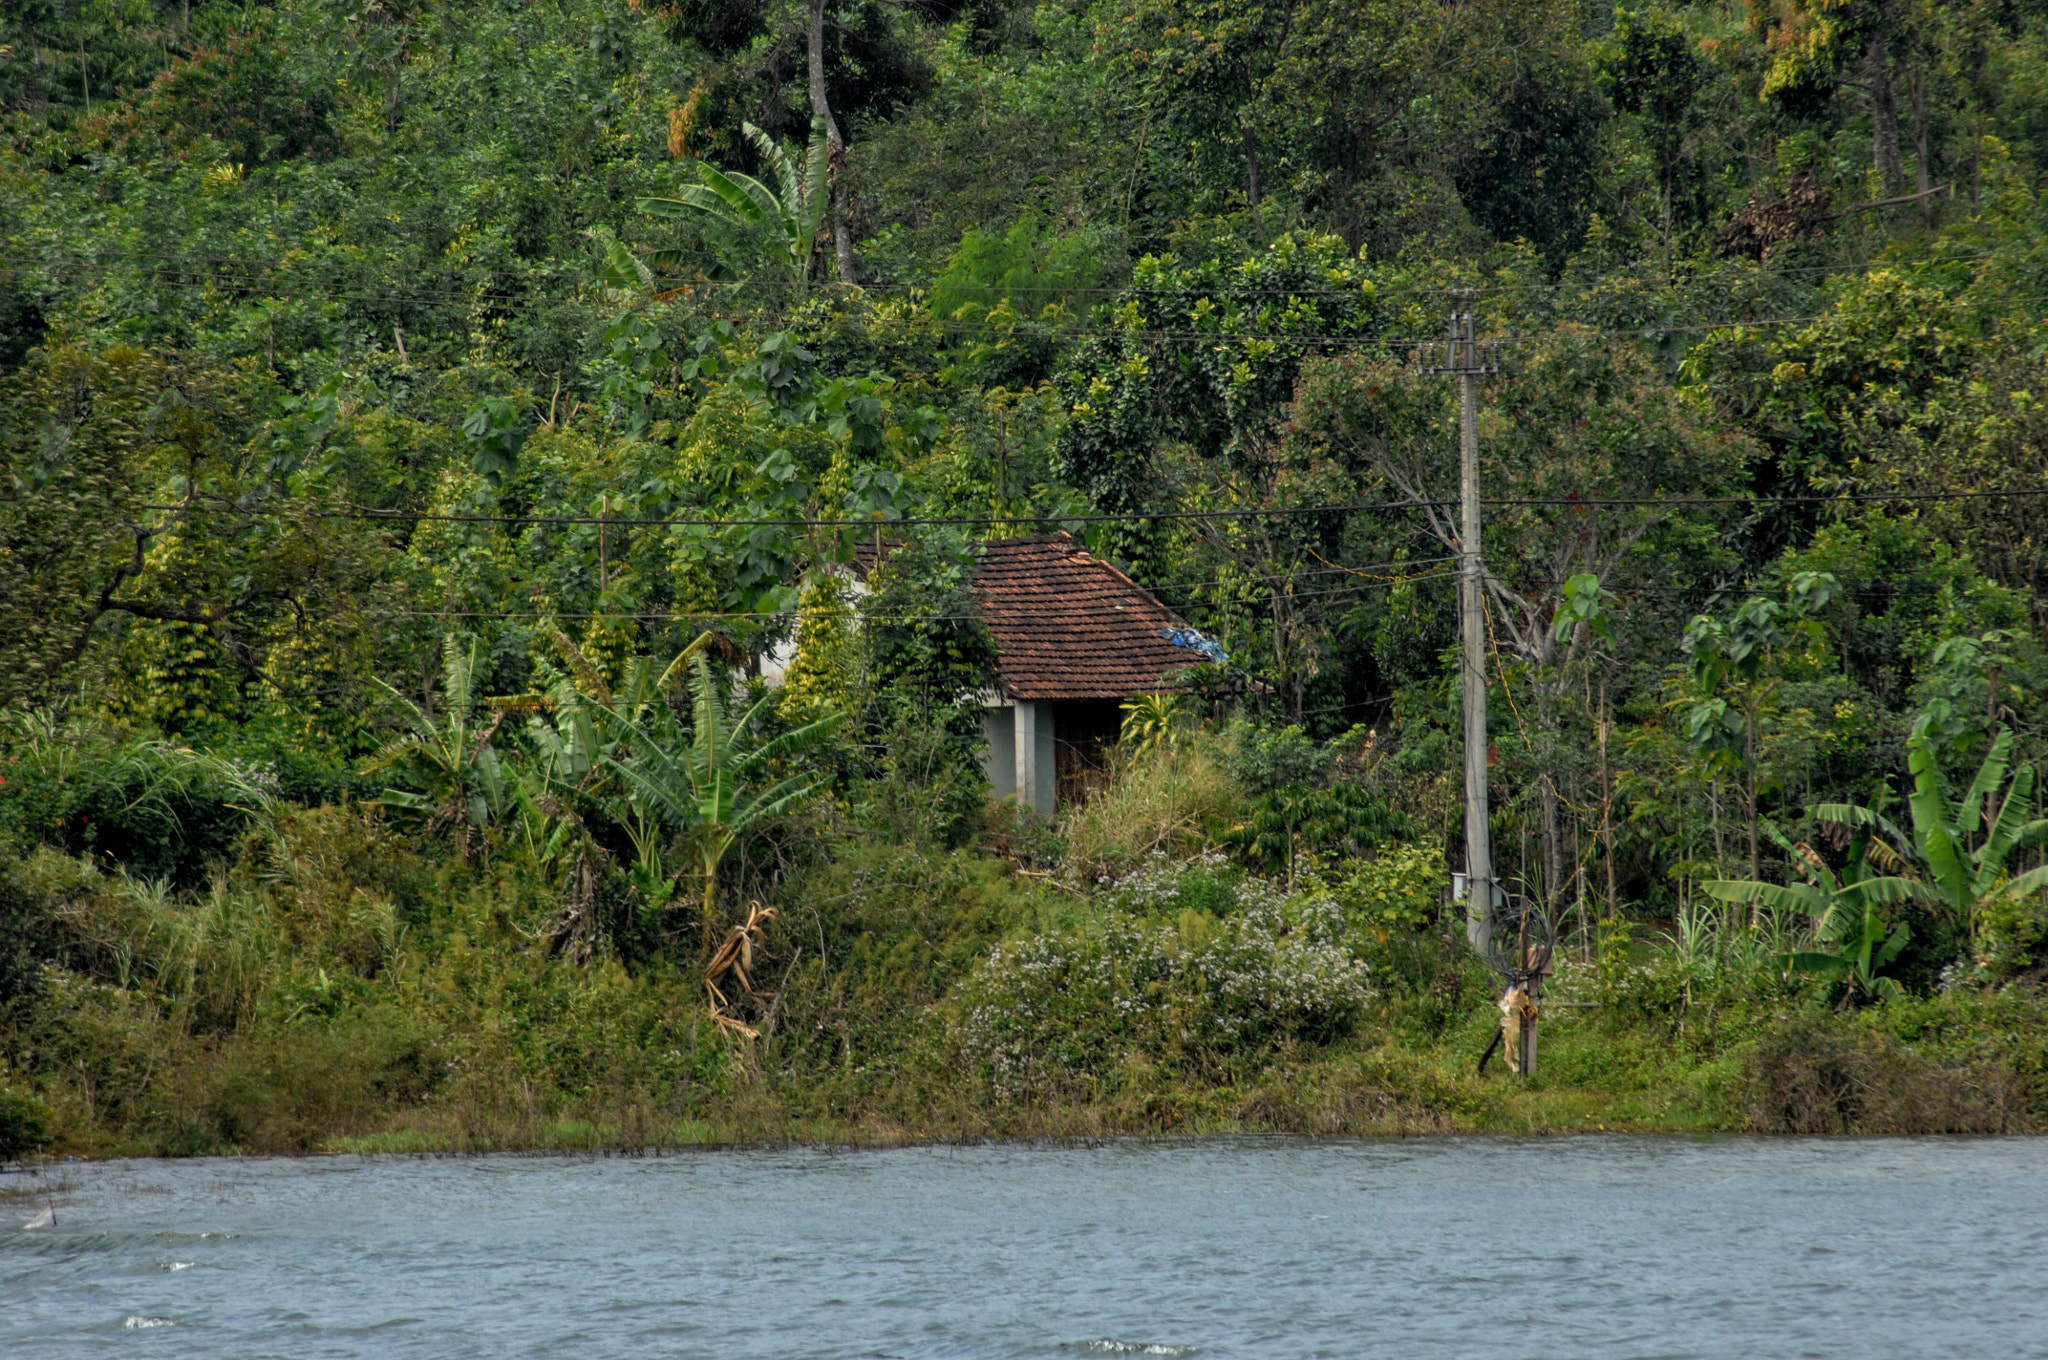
<point x="1019" y="758"/>
<point x="1000" y="759"/>
<point x="1034" y="758"/>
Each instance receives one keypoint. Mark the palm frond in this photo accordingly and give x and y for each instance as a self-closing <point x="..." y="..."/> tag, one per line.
<point x="773" y="802"/>
<point x="796" y="739"/>
<point x="787" y="176"/>
<point x="1933" y="824"/>
<point x="2021" y="885"/>
<point x="1891" y="889"/>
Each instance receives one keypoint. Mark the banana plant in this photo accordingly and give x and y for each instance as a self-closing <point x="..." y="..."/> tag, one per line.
<point x="742" y="207"/>
<point x="710" y="788"/>
<point x="1862" y="948"/>
<point x="1961" y="850"/>
<point x="461" y="781"/>
<point x="543" y="829"/>
<point x="1844" y="909"/>
<point x="1954" y="862"/>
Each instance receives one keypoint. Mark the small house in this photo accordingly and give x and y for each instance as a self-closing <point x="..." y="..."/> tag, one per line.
<point x="1075" y="639"/>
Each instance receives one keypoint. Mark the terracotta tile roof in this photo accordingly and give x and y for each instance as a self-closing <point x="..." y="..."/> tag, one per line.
<point x="1071" y="626"/>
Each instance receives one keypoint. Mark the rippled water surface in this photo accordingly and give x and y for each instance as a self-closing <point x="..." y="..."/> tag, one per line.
<point x="1582" y="1247"/>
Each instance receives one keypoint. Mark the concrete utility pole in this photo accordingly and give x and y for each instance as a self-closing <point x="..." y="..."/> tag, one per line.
<point x="1461" y="360"/>
<point x="1521" y="953"/>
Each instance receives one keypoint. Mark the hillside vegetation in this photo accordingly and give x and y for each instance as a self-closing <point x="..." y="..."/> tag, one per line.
<point x="417" y="421"/>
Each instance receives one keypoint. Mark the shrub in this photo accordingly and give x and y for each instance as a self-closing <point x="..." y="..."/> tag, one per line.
<point x="1400" y="890"/>
<point x="24" y="939"/>
<point x="1833" y="1075"/>
<point x="2009" y="937"/>
<point x="1266" y="760"/>
<point x="1076" y="1000"/>
<point x="24" y="1125"/>
<point x="875" y="938"/>
<point x="1393" y="907"/>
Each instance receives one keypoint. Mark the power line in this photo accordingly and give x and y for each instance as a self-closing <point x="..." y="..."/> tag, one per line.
<point x="1642" y="331"/>
<point x="472" y="294"/>
<point x="1108" y="517"/>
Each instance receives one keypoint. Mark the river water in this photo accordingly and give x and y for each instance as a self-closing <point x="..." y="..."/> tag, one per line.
<point x="1570" y="1247"/>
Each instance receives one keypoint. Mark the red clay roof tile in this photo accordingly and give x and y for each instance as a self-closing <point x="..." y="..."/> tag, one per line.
<point x="1071" y="626"/>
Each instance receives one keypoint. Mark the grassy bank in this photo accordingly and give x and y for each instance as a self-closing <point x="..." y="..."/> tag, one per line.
<point x="341" y="984"/>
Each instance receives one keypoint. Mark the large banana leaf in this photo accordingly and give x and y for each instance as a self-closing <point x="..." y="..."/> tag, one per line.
<point x="703" y="785"/>
<point x="1850" y="814"/>
<point x="1799" y="897"/>
<point x="1935" y="830"/>
<point x="2009" y="831"/>
<point x="788" y="214"/>
<point x="1990" y="775"/>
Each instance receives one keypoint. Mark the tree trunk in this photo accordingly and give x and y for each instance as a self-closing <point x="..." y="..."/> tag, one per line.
<point x="1252" y="171"/>
<point x="1749" y="773"/>
<point x="1884" y="119"/>
<point x="1917" y="87"/>
<point x="821" y="107"/>
<point x="1553" y="840"/>
<point x="1714" y="822"/>
<point x="1606" y="797"/>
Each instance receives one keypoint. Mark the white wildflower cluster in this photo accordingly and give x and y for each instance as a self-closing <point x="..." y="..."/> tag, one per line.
<point x="1075" y="1001"/>
<point x="1279" y="972"/>
<point x="1159" y="883"/>
<point x="257" y="774"/>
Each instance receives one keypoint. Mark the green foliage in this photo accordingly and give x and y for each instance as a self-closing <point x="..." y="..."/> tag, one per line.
<point x="24" y="1125"/>
<point x="493" y="430"/>
<point x="159" y="811"/>
<point x="358" y="366"/>
<point x="1130" y="390"/>
<point x="1280" y="824"/>
<point x="1151" y="721"/>
<point x="1653" y="69"/>
<point x="1863" y="948"/>
<point x="927" y="652"/>
<point x="449" y="753"/>
<point x="1024" y="271"/>
<point x="1587" y="605"/>
<point x="822" y="673"/>
<point x="1292" y="809"/>
<point x="26" y="928"/>
<point x="1266" y="760"/>
<point x="1964" y="847"/>
<point x="1177" y="799"/>
<point x="1399" y="890"/>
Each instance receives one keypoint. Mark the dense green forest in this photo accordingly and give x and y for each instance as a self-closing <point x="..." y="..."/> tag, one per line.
<point x="420" y="419"/>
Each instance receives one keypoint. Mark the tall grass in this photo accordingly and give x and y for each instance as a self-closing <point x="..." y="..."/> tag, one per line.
<point x="1174" y="799"/>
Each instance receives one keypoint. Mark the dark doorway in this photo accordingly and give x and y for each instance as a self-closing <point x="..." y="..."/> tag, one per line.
<point x="1083" y="731"/>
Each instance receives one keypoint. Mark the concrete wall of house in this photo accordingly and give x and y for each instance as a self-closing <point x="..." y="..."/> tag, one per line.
<point x="999" y="761"/>
<point x="1021" y="760"/>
